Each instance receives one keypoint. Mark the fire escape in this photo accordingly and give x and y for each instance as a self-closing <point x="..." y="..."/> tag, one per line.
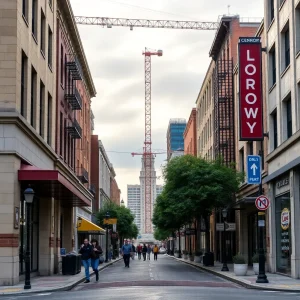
<point x="224" y="110"/>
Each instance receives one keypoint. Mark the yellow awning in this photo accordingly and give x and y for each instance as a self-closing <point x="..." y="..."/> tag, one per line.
<point x="85" y="226"/>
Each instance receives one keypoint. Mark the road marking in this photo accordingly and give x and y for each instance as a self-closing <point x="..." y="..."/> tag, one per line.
<point x="44" y="294"/>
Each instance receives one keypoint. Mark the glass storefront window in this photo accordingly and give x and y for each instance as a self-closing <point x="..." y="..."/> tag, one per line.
<point x="283" y="233"/>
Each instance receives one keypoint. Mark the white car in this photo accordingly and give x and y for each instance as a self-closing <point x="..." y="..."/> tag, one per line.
<point x="162" y="250"/>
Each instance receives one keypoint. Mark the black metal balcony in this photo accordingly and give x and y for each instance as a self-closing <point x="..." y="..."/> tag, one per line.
<point x="74" y="67"/>
<point x="73" y="97"/>
<point x="83" y="175"/>
<point x="75" y="130"/>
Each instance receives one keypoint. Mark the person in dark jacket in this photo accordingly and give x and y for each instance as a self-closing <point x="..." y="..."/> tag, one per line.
<point x="86" y="251"/>
<point x="97" y="251"/>
<point x="144" y="251"/>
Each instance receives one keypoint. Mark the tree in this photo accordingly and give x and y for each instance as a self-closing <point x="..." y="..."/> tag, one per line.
<point x="193" y="188"/>
<point x="125" y="227"/>
<point x="161" y="234"/>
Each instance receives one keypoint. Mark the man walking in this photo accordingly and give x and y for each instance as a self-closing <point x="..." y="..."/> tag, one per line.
<point x="86" y="254"/>
<point x="155" y="251"/>
<point x="144" y="250"/>
<point x="126" y="249"/>
<point x="149" y="250"/>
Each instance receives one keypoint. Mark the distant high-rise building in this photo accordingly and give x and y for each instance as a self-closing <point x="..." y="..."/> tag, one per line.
<point x="134" y="202"/>
<point x="136" y="197"/>
<point x="175" y="140"/>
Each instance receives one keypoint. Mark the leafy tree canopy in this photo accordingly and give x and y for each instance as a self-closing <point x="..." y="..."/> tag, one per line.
<point x="193" y="187"/>
<point x="125" y="225"/>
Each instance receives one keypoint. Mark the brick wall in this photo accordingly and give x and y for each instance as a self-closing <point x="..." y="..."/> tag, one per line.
<point x="190" y="135"/>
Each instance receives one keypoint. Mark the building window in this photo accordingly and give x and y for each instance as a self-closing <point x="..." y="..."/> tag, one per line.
<point x="271" y="10"/>
<point x="49" y="120"/>
<point x="250" y="148"/>
<point x="272" y="59"/>
<point x="50" y="41"/>
<point x="33" y="97"/>
<point x="297" y="28"/>
<point x="283" y="233"/>
<point x="275" y="129"/>
<point x="23" y="84"/>
<point x="65" y="140"/>
<point x="66" y="74"/>
<point x="289" y="124"/>
<point x="61" y="64"/>
<point x="25" y="10"/>
<point x="287" y="58"/>
<point x="51" y="4"/>
<point x="34" y="18"/>
<point x="242" y="160"/>
<point x="61" y="132"/>
<point x="43" y="32"/>
<point x="42" y="108"/>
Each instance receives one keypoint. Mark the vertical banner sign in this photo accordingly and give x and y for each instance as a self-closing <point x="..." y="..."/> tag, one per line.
<point x="250" y="69"/>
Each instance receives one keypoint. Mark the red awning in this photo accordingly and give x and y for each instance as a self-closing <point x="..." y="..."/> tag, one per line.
<point x="52" y="183"/>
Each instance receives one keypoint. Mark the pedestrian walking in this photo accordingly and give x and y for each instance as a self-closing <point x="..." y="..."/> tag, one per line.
<point x="155" y="252"/>
<point x="144" y="251"/>
<point x="126" y="249"/>
<point x="86" y="254"/>
<point x="139" y="249"/>
<point x="97" y="251"/>
<point x="149" y="250"/>
<point x="133" y="252"/>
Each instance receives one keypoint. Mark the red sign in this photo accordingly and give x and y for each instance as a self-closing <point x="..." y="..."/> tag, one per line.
<point x="262" y="203"/>
<point x="250" y="69"/>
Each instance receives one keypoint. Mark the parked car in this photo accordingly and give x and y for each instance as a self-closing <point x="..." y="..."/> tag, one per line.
<point x="162" y="250"/>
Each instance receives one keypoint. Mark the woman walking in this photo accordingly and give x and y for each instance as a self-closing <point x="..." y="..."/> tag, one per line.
<point x="97" y="251"/>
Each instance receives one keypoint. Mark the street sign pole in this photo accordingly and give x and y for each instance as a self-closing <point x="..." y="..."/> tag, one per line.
<point x="261" y="277"/>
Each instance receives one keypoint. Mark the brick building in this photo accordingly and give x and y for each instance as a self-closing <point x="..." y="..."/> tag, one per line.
<point x="115" y="192"/>
<point x="190" y="135"/>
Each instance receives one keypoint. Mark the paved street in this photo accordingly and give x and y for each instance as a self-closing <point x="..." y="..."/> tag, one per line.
<point x="162" y="279"/>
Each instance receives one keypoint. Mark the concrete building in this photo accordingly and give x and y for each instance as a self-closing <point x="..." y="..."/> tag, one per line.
<point x="175" y="140"/>
<point x="190" y="135"/>
<point x="30" y="155"/>
<point x="134" y="202"/>
<point x="136" y="197"/>
<point x="282" y="19"/>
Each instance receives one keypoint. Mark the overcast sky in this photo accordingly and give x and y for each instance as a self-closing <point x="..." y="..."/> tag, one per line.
<point x="117" y="66"/>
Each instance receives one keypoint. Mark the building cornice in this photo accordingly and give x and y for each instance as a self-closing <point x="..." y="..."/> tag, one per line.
<point x="18" y="120"/>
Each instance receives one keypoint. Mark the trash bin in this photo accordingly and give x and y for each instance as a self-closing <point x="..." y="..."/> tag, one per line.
<point x="208" y="259"/>
<point x="71" y="264"/>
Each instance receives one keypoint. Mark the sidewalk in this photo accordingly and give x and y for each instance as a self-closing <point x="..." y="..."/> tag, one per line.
<point x="54" y="283"/>
<point x="276" y="282"/>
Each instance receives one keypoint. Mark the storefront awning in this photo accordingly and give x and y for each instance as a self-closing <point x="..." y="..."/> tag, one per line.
<point x="85" y="226"/>
<point x="52" y="183"/>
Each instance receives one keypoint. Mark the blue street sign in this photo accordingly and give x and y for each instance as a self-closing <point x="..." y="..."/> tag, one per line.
<point x="253" y="169"/>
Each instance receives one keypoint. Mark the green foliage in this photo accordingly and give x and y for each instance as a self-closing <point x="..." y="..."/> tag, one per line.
<point x="193" y="188"/>
<point x="161" y="234"/>
<point x="125" y="225"/>
<point x="239" y="259"/>
<point x="255" y="258"/>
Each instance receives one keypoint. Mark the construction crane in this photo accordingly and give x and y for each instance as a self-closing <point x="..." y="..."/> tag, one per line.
<point x="131" y="23"/>
<point x="147" y="154"/>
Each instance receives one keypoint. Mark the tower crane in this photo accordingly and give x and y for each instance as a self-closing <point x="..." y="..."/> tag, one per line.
<point x="148" y="53"/>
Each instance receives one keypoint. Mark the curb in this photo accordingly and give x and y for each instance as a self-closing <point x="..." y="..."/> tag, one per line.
<point x="241" y="283"/>
<point x="59" y="289"/>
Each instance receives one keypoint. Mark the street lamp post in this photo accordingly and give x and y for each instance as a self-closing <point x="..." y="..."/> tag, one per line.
<point x="28" y="195"/>
<point x="179" y="244"/>
<point x="224" y="267"/>
<point x="122" y="203"/>
<point x="106" y="240"/>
